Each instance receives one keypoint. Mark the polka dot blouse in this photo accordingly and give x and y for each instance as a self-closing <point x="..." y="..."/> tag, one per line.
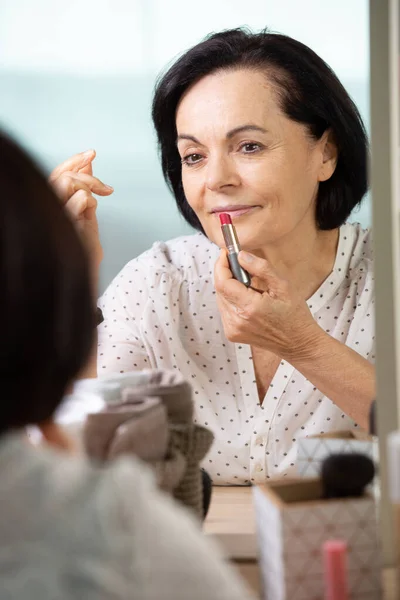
<point x="161" y="311"/>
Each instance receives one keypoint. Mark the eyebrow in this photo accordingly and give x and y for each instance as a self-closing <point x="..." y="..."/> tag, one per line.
<point x="229" y="135"/>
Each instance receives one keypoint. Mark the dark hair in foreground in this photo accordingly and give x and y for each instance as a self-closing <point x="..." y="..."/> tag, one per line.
<point x="309" y="93"/>
<point x="46" y="304"/>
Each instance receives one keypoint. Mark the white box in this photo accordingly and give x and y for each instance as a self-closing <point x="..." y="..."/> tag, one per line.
<point x="311" y="451"/>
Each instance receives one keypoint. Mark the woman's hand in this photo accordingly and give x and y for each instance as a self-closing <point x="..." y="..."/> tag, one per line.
<point x="269" y="314"/>
<point x="273" y="316"/>
<point x="75" y="185"/>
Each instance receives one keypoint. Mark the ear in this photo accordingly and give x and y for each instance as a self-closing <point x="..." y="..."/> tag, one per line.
<point x="329" y="156"/>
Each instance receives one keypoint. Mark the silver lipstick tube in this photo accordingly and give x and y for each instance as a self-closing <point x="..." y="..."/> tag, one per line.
<point x="233" y="247"/>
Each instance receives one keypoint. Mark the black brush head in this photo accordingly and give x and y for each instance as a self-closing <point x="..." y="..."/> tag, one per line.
<point x="346" y="475"/>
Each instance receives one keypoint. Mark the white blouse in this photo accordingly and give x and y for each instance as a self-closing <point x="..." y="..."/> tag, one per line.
<point x="161" y="311"/>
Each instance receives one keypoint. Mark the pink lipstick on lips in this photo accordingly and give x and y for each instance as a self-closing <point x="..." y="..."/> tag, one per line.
<point x="233" y="247"/>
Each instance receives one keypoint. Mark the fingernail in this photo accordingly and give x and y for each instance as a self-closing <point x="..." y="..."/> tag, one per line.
<point x="88" y="152"/>
<point x="109" y="187"/>
<point x="246" y="256"/>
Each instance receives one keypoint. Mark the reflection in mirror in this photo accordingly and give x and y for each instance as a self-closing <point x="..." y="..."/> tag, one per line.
<point x="264" y="149"/>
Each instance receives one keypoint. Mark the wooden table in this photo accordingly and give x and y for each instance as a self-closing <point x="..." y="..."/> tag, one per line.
<point x="231" y="521"/>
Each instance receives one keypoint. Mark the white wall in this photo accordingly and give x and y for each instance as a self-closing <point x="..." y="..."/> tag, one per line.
<point x="80" y="74"/>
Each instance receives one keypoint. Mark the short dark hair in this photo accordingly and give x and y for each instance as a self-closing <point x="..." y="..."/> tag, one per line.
<point x="46" y="303"/>
<point x="309" y="92"/>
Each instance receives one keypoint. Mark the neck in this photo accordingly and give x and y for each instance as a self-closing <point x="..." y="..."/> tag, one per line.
<point x="55" y="436"/>
<point x="305" y="256"/>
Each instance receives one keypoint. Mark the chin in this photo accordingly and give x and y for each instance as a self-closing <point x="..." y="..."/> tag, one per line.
<point x="252" y="240"/>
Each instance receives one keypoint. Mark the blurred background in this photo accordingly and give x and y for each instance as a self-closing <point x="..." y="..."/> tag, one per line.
<point x="80" y="74"/>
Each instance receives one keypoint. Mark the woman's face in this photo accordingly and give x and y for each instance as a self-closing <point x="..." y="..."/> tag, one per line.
<point x="242" y="155"/>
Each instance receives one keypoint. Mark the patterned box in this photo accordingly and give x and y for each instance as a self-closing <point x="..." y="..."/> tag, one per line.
<point x="311" y="451"/>
<point x="293" y="522"/>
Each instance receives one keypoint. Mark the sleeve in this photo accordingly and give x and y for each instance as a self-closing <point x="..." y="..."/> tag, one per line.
<point x="361" y="336"/>
<point x="171" y="558"/>
<point x="120" y="346"/>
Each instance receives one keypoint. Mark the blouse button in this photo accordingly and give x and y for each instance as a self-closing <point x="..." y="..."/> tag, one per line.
<point x="258" y="467"/>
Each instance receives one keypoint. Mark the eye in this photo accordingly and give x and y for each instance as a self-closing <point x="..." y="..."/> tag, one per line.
<point x="250" y="147"/>
<point x="191" y="159"/>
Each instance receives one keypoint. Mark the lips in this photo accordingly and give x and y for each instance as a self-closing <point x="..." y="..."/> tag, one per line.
<point x="234" y="211"/>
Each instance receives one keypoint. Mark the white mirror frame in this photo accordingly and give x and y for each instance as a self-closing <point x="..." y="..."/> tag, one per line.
<point x="384" y="177"/>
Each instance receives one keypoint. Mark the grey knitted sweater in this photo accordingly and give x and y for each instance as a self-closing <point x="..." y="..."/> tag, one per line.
<point x="72" y="531"/>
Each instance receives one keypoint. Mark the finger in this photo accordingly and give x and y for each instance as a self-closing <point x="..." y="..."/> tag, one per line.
<point x="222" y="270"/>
<point x="259" y="267"/>
<point x="74" y="163"/>
<point x="69" y="183"/>
<point x="80" y="203"/>
<point x="236" y="293"/>
<point x="93" y="183"/>
<point x="263" y="276"/>
<point x="232" y="290"/>
<point x="88" y="169"/>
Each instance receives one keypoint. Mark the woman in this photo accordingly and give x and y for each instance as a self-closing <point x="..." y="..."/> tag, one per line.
<point x="258" y="126"/>
<point x="68" y="529"/>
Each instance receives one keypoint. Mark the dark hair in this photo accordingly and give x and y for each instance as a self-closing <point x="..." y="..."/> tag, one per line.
<point x="46" y="303"/>
<point x="309" y="92"/>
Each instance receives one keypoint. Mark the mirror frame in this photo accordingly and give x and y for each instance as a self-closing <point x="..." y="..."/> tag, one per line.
<point x="384" y="178"/>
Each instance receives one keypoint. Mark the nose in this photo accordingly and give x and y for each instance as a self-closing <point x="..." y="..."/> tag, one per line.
<point x="221" y="173"/>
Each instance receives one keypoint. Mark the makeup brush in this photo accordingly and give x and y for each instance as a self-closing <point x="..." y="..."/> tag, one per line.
<point x="346" y="475"/>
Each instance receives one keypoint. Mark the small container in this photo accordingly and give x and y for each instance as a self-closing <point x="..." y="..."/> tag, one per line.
<point x="311" y="451"/>
<point x="294" y="521"/>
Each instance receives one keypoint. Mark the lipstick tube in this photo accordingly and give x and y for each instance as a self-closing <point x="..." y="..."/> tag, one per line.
<point x="233" y="247"/>
<point x="335" y="570"/>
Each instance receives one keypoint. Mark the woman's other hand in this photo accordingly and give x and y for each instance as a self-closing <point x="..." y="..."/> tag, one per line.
<point x="269" y="314"/>
<point x="75" y="185"/>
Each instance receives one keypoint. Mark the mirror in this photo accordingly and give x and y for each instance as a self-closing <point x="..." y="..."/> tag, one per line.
<point x="97" y="94"/>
